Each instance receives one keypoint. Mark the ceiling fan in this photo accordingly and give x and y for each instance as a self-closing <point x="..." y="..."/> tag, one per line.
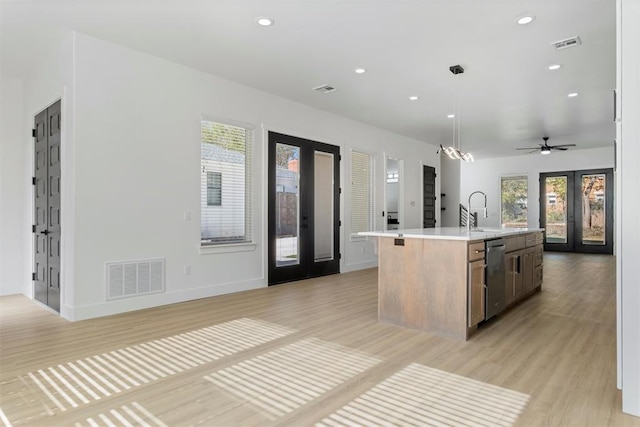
<point x="546" y="148"/>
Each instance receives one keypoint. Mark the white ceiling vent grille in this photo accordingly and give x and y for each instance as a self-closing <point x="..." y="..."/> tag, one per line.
<point x="570" y="42"/>
<point x="325" y="89"/>
<point x="133" y="278"/>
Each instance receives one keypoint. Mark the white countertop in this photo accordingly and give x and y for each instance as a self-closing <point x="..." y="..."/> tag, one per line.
<point x="451" y="233"/>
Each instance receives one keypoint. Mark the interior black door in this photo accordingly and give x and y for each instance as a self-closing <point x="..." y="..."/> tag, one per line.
<point x="576" y="210"/>
<point x="304" y="208"/>
<point x="429" y="197"/>
<point x="46" y="229"/>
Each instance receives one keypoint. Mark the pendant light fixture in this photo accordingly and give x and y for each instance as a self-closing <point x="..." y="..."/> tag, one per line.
<point x="454" y="152"/>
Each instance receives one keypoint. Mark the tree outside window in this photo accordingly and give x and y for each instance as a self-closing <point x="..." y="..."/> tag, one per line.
<point x="514" y="200"/>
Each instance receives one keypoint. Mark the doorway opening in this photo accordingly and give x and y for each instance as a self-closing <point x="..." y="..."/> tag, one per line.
<point x="393" y="193"/>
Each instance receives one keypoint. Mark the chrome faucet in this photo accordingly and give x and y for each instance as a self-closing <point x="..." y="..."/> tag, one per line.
<point x="469" y="208"/>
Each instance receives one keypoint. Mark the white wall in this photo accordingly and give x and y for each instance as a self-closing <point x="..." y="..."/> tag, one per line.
<point x="137" y="157"/>
<point x="628" y="136"/>
<point x="52" y="81"/>
<point x="450" y="178"/>
<point x="21" y="100"/>
<point x="13" y="161"/>
<point x="484" y="175"/>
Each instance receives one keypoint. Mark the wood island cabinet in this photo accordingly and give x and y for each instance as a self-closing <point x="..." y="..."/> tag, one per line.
<point x="434" y="280"/>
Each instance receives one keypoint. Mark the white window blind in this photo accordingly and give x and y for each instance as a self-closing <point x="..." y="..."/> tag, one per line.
<point x="225" y="183"/>
<point x="514" y="200"/>
<point x="361" y="192"/>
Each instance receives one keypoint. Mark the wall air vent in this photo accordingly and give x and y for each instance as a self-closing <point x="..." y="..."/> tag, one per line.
<point x="570" y="42"/>
<point x="325" y="89"/>
<point x="132" y="278"/>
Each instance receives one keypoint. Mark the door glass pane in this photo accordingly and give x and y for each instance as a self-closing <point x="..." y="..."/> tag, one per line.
<point x="593" y="209"/>
<point x="556" y="219"/>
<point x="323" y="206"/>
<point x="287" y="205"/>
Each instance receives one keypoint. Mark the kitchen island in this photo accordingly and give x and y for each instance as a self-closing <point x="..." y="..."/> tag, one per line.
<point x="435" y="279"/>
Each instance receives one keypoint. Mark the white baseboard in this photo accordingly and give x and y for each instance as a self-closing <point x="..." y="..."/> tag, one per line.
<point x="155" y="300"/>
<point x="359" y="266"/>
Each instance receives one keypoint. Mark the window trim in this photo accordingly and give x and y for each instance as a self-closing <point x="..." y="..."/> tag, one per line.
<point x="227" y="248"/>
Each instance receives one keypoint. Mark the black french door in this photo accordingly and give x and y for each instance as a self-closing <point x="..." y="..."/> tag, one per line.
<point x="304" y="208"/>
<point x="576" y="210"/>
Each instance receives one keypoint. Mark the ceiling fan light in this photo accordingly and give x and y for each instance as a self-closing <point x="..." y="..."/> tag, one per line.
<point x="545" y="150"/>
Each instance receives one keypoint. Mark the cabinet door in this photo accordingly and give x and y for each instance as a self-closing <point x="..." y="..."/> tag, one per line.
<point x="513" y="287"/>
<point x="527" y="269"/>
<point x="509" y="271"/>
<point x="476" y="292"/>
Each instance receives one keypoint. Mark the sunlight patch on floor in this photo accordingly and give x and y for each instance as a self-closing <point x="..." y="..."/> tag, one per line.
<point x="128" y="416"/>
<point x="419" y="395"/>
<point x="88" y="380"/>
<point x="4" y="419"/>
<point x="280" y="381"/>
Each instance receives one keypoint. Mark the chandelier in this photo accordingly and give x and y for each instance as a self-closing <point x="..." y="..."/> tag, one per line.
<point x="454" y="151"/>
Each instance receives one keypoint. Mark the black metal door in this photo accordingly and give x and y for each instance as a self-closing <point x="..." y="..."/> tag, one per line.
<point x="47" y="173"/>
<point x="429" y="199"/>
<point x="576" y="210"/>
<point x="304" y="208"/>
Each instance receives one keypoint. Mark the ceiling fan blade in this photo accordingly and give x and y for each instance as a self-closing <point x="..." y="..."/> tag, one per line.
<point x="557" y="147"/>
<point x="528" y="148"/>
<point x="562" y="145"/>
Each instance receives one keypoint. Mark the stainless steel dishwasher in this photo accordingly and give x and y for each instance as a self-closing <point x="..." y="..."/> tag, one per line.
<point x="495" y="277"/>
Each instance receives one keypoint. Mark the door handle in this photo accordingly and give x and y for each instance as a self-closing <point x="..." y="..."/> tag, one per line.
<point x="45" y="232"/>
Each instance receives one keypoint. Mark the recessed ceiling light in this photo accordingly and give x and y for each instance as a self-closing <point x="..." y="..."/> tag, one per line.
<point x="573" y="94"/>
<point x="413" y="98"/>
<point x="524" y="20"/>
<point x="554" y="66"/>
<point x="450" y="116"/>
<point x="265" y="22"/>
<point x="360" y="70"/>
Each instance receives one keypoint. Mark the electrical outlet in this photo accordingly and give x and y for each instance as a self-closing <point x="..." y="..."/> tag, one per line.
<point x="187" y="215"/>
<point x="187" y="269"/>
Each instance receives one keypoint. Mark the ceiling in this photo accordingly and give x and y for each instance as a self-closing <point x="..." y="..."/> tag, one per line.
<point x="506" y="98"/>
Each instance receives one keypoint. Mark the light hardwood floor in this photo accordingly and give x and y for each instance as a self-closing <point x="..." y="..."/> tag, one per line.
<point x="313" y="353"/>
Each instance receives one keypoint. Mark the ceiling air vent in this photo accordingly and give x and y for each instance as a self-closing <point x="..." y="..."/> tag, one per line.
<point x="570" y="42"/>
<point x="325" y="89"/>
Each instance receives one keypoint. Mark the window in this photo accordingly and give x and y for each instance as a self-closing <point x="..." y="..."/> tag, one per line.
<point x="514" y="201"/>
<point x="225" y="204"/>
<point x="214" y="189"/>
<point x="361" y="192"/>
